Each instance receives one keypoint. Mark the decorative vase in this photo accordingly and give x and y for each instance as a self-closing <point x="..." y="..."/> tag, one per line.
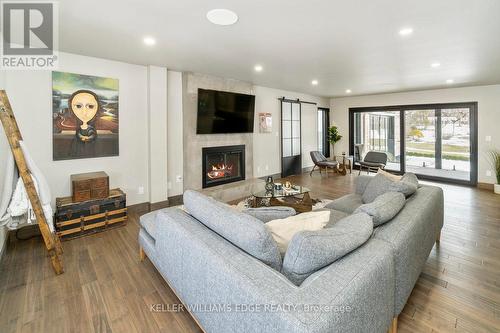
<point x="269" y="184"/>
<point x="497" y="188"/>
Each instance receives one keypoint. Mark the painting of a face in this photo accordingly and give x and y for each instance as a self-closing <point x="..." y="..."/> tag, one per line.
<point x="85" y="107"/>
<point x="85" y="116"/>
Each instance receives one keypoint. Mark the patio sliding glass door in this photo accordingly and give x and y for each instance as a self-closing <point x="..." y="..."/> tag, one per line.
<point x="379" y="131"/>
<point x="420" y="141"/>
<point x="437" y="141"/>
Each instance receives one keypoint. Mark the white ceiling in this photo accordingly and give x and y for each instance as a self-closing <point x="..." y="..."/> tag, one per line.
<point x="344" y="44"/>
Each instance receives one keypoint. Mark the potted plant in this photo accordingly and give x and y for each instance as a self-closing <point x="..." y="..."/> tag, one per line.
<point x="333" y="137"/>
<point x="495" y="163"/>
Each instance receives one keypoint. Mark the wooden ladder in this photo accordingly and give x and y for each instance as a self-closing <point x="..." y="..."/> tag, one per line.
<point x="51" y="240"/>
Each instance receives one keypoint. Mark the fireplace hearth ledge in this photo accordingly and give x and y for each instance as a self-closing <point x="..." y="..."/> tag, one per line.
<point x="232" y="191"/>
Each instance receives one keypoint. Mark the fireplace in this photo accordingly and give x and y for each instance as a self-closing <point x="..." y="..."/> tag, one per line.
<point x="222" y="165"/>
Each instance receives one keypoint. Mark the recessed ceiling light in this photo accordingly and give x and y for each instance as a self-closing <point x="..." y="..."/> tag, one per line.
<point x="348" y="91"/>
<point x="222" y="16"/>
<point x="449" y="81"/>
<point x="314" y="82"/>
<point x="258" y="68"/>
<point x="149" y="41"/>
<point x="435" y="64"/>
<point x="406" y="31"/>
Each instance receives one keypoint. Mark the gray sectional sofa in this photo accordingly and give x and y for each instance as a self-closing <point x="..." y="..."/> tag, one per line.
<point x="234" y="280"/>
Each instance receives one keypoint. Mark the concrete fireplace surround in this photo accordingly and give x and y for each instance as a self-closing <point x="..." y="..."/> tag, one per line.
<point x="193" y="143"/>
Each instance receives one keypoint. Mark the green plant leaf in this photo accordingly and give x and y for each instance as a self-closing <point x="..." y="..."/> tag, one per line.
<point x="333" y="135"/>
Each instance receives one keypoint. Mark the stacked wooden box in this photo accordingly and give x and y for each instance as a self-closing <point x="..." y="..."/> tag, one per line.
<point x="87" y="186"/>
<point x="88" y="211"/>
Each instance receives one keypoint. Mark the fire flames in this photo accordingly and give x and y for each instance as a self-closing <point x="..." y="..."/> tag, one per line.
<point x="220" y="171"/>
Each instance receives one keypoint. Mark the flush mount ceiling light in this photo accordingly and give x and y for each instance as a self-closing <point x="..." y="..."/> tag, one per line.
<point x="406" y="31"/>
<point x="258" y="68"/>
<point x="348" y="91"/>
<point x="149" y="41"/>
<point x="435" y="64"/>
<point x="449" y="81"/>
<point x="222" y="16"/>
<point x="314" y="82"/>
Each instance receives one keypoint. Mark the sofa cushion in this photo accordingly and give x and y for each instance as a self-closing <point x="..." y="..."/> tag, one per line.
<point x="242" y="230"/>
<point x="384" y="208"/>
<point x="266" y="214"/>
<point x="309" y="251"/>
<point x="380" y="184"/>
<point x="283" y="230"/>
<point x="347" y="203"/>
<point x="335" y="216"/>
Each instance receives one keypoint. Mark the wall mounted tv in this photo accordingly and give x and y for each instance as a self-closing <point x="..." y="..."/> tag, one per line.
<point x="224" y="112"/>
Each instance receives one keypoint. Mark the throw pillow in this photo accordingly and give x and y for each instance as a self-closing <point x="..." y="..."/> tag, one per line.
<point x="377" y="186"/>
<point x="283" y="230"/>
<point x="404" y="187"/>
<point x="381" y="184"/>
<point x="266" y="214"/>
<point x="242" y="230"/>
<point x="389" y="175"/>
<point x="310" y="251"/>
<point x="384" y="207"/>
<point x="411" y="178"/>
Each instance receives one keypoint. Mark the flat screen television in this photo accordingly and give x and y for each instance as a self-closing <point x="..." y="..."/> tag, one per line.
<point x="224" y="112"/>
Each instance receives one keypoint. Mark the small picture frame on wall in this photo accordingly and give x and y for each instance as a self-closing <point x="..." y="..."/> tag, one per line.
<point x="265" y="122"/>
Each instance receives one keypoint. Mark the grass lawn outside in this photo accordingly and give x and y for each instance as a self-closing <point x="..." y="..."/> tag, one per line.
<point x="431" y="147"/>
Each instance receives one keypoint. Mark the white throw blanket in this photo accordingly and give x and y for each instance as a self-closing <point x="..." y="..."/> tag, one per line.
<point x="20" y="210"/>
<point x="15" y="207"/>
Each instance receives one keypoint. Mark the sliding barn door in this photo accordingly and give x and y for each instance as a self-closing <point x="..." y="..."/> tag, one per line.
<point x="291" y="151"/>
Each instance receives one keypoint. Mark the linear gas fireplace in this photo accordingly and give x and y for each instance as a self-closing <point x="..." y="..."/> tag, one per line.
<point x="222" y="165"/>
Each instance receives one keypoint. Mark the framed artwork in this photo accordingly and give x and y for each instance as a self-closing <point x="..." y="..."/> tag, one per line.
<point x="265" y="122"/>
<point x="85" y="116"/>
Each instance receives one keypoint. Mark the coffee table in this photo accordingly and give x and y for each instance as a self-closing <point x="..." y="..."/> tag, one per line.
<point x="297" y="197"/>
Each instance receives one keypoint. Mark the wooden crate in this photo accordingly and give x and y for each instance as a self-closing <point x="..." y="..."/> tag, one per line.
<point x="89" y="186"/>
<point x="75" y="219"/>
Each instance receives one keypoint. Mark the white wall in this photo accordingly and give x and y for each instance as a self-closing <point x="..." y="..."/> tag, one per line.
<point x="488" y="98"/>
<point x="157" y="118"/>
<point x="31" y="98"/>
<point x="175" y="134"/>
<point x="267" y="156"/>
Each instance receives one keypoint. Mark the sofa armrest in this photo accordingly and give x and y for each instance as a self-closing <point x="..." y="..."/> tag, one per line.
<point x="362" y="183"/>
<point x="356" y="293"/>
<point x="411" y="236"/>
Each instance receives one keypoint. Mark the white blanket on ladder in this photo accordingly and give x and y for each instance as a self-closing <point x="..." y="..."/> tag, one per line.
<point x="15" y="207"/>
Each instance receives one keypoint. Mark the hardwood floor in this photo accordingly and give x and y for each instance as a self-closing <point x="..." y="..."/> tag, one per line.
<point x="106" y="288"/>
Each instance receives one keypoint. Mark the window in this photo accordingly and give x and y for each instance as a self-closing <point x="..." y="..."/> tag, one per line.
<point x="434" y="141"/>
